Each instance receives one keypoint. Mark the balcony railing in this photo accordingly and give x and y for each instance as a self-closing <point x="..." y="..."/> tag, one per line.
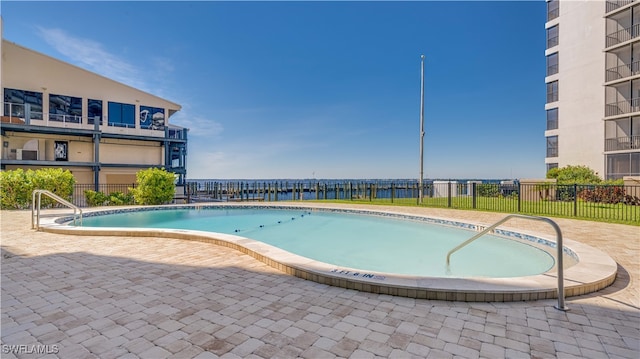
<point x="623" y="35"/>
<point x="622" y="107"/>
<point x="614" y="4"/>
<point x="65" y="118"/>
<point x="622" y="143"/>
<point x="622" y="71"/>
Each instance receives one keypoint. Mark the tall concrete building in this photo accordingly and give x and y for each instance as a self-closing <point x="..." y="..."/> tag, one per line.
<point x="593" y="86"/>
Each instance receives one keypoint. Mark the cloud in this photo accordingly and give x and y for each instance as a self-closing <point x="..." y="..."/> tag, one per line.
<point x="198" y="126"/>
<point x="93" y="56"/>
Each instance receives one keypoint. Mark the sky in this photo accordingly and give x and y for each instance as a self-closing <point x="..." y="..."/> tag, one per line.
<point x="325" y="90"/>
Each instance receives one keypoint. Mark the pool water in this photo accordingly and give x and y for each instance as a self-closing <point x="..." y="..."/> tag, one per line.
<point x="364" y="242"/>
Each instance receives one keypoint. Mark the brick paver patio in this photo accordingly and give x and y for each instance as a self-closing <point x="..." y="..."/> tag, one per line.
<point x="113" y="297"/>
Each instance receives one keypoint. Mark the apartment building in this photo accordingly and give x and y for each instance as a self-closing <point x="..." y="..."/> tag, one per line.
<point x="593" y="86"/>
<point x="59" y="115"/>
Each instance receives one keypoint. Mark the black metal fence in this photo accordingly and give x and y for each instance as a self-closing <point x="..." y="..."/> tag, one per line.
<point x="80" y="198"/>
<point x="603" y="202"/>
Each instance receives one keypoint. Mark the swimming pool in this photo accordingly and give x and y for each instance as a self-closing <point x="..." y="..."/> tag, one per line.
<point x="592" y="271"/>
<point x="363" y="242"/>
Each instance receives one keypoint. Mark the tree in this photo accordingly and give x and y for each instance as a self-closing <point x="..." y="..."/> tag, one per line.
<point x="154" y="186"/>
<point x="574" y="175"/>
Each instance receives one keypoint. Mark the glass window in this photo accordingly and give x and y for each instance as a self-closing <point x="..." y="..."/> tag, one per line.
<point x="552" y="146"/>
<point x="15" y="101"/>
<point x="552" y="36"/>
<point x="94" y="110"/>
<point x="553" y="9"/>
<point x="552" y="118"/>
<point x="623" y="164"/>
<point x="551" y="165"/>
<point x="121" y="115"/>
<point x="65" y="108"/>
<point x="151" y="118"/>
<point x="552" y="64"/>
<point x="552" y="91"/>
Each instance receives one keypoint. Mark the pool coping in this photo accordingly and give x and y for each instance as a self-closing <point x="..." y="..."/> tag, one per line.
<point x="594" y="271"/>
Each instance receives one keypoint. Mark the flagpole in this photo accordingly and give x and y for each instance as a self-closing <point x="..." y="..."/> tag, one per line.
<point x="420" y="194"/>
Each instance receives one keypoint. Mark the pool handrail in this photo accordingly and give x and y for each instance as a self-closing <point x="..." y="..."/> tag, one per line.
<point x="561" y="305"/>
<point x="35" y="207"/>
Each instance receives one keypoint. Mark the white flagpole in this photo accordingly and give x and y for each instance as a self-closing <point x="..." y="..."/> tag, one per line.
<point x="420" y="194"/>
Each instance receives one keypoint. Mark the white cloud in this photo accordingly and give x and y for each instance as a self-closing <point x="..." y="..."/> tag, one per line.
<point x="93" y="56"/>
<point x="198" y="126"/>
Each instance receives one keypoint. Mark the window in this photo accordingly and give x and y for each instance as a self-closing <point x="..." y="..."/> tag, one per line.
<point x="553" y="9"/>
<point x="552" y="91"/>
<point x="151" y="118"/>
<point x="122" y="115"/>
<point x="551" y="166"/>
<point x="552" y="146"/>
<point x="623" y="164"/>
<point x="94" y="110"/>
<point x="16" y="101"/>
<point x="552" y="118"/>
<point x="65" y="108"/>
<point x="552" y="64"/>
<point x="552" y="36"/>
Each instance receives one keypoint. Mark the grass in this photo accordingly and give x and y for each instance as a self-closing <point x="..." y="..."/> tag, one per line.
<point x="599" y="212"/>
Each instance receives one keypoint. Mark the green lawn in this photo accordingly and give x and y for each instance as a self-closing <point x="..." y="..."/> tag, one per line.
<point x="610" y="213"/>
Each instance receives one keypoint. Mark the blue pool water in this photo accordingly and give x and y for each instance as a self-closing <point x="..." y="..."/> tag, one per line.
<point x="363" y="242"/>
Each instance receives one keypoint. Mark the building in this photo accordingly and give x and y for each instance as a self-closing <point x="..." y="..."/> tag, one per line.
<point x="593" y="86"/>
<point x="58" y="115"/>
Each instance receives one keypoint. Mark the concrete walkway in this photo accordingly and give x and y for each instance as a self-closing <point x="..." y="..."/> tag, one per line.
<point x="112" y="297"/>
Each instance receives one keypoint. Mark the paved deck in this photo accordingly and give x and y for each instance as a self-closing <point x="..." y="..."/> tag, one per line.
<point x="147" y="297"/>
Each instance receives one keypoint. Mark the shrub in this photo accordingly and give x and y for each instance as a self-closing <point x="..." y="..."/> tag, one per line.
<point x="17" y="186"/>
<point x="488" y="190"/>
<point x="120" y="199"/>
<point x="574" y="175"/>
<point x="95" y="198"/>
<point x="154" y="186"/>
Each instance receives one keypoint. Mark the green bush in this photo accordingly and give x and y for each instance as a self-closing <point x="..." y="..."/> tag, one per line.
<point x="154" y="186"/>
<point x="112" y="199"/>
<point x="95" y="199"/>
<point x="488" y="190"/>
<point x="574" y="175"/>
<point x="17" y="186"/>
<point x="120" y="199"/>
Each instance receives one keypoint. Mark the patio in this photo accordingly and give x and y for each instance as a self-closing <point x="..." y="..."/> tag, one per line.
<point x="154" y="298"/>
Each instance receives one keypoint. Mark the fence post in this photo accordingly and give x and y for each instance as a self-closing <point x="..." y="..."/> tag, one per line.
<point x="519" y="196"/>
<point x="473" y="195"/>
<point x="392" y="192"/>
<point x="449" y="194"/>
<point x="575" y="199"/>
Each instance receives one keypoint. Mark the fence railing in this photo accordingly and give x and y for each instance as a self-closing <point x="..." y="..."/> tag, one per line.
<point x="614" y="4"/>
<point x="80" y="199"/>
<point x="603" y="202"/>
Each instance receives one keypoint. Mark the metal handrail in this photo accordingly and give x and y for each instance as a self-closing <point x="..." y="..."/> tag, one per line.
<point x="559" y="246"/>
<point x="35" y="207"/>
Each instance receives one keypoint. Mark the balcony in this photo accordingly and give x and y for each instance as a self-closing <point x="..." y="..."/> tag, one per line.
<point x="615" y="4"/>
<point x="621" y="36"/>
<point x="622" y="143"/>
<point x="622" y="71"/>
<point x="622" y="107"/>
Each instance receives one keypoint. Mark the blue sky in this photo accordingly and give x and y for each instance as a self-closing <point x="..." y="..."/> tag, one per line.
<point x="321" y="89"/>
